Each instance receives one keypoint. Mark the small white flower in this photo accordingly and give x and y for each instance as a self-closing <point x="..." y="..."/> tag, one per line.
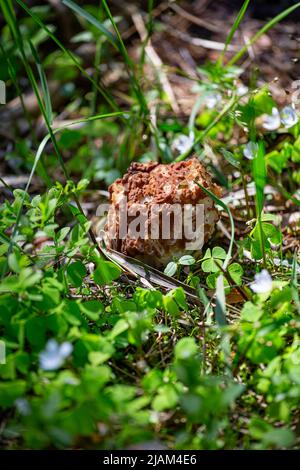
<point x="250" y="150"/>
<point x="212" y="100"/>
<point x="272" y="121"/>
<point x="278" y="262"/>
<point x="242" y="90"/>
<point x="54" y="355"/>
<point x="289" y="116"/>
<point x="262" y="282"/>
<point x="182" y="143"/>
<point x="66" y="349"/>
<point x="285" y="263"/>
<point x="23" y="406"/>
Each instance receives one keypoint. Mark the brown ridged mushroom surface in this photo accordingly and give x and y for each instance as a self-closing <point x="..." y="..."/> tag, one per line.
<point x="152" y="184"/>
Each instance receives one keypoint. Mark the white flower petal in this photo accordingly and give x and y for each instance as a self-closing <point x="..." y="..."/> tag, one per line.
<point x="52" y="345"/>
<point x="182" y="143"/>
<point x="242" y="90"/>
<point x="212" y="100"/>
<point x="65" y="349"/>
<point x="272" y="121"/>
<point x="50" y="362"/>
<point x="262" y="282"/>
<point x="289" y="116"/>
<point x="53" y="356"/>
<point x="250" y="150"/>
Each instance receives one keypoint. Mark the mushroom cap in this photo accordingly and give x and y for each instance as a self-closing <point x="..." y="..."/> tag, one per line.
<point x="154" y="193"/>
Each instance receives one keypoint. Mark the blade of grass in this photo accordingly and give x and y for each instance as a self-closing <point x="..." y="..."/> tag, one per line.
<point x="8" y="12"/>
<point x="5" y="185"/>
<point x="44" y="84"/>
<point x="118" y="44"/>
<point x="100" y="87"/>
<point x="149" y="27"/>
<point x="235" y="26"/>
<point x="259" y="175"/>
<point x="91" y="19"/>
<point x="128" y="62"/>
<point x="262" y="31"/>
<point x="97" y="61"/>
<point x="13" y="77"/>
<point x="12" y="74"/>
<point x="226" y="208"/>
<point x="11" y="18"/>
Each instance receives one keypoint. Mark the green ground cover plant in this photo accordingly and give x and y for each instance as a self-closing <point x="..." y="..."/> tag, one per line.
<point x="94" y="358"/>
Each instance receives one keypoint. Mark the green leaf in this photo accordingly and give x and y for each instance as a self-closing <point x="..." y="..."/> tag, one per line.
<point x="207" y="254"/>
<point x="209" y="265"/>
<point x="70" y="138"/>
<point x="92" y="309"/>
<point x="10" y="391"/>
<point x="186" y="348"/>
<point x="277" y="160"/>
<point x="279" y="438"/>
<point x="105" y="352"/>
<point x="251" y="312"/>
<point x="166" y="399"/>
<point x="296" y="151"/>
<point x="3" y="249"/>
<point x="36" y="332"/>
<point x="170" y="269"/>
<point x="259" y="176"/>
<point x="170" y="305"/>
<point x="71" y="312"/>
<point x="179" y="295"/>
<point x="272" y="233"/>
<point x="218" y="253"/>
<point x="106" y="272"/>
<point x="76" y="272"/>
<point x="186" y="260"/>
<point x="61" y="234"/>
<point x="118" y="329"/>
<point x="236" y="271"/>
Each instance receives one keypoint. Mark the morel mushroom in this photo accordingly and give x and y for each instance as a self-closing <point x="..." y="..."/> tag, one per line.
<point x="154" y="211"/>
